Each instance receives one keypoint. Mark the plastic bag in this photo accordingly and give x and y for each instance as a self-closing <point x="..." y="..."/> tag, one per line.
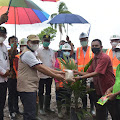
<point x="69" y="75"/>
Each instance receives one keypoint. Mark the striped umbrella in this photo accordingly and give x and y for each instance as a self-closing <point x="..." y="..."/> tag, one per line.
<point x="22" y="12"/>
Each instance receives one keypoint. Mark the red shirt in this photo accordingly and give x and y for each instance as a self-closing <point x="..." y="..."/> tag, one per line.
<point x="102" y="64"/>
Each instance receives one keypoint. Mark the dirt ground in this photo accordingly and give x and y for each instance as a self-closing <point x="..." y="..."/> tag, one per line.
<point x="52" y="116"/>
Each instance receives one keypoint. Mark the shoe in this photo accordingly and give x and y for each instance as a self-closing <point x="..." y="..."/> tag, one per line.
<point x="47" y="104"/>
<point x="12" y="116"/>
<point x="60" y="115"/>
<point x="37" y="118"/>
<point x="42" y="112"/>
<point x="93" y="113"/>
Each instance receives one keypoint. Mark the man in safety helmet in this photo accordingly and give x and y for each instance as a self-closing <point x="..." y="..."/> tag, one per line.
<point x="114" y="91"/>
<point x="114" y="40"/>
<point x="66" y="49"/>
<point x="22" y="44"/>
<point x="84" y="55"/>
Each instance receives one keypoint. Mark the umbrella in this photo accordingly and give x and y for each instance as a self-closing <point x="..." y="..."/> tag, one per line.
<point x="67" y="18"/>
<point x="50" y="0"/>
<point x="22" y="12"/>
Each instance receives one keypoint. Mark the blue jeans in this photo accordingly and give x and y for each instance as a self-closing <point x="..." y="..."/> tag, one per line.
<point x="29" y="104"/>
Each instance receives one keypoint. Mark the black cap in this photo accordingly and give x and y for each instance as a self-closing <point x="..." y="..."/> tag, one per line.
<point x="46" y="37"/>
<point x="3" y="30"/>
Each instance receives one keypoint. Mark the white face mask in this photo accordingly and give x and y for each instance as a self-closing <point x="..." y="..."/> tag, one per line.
<point x="67" y="54"/>
<point x="2" y="39"/>
<point x="34" y="47"/>
<point x="114" y="44"/>
<point x="118" y="55"/>
<point x="22" y="48"/>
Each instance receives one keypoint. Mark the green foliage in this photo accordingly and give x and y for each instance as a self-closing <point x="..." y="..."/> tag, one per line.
<point x="49" y="31"/>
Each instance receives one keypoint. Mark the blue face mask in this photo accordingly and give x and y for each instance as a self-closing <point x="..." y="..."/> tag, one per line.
<point x="60" y="47"/>
<point x="67" y="54"/>
<point x="13" y="44"/>
<point x="46" y="44"/>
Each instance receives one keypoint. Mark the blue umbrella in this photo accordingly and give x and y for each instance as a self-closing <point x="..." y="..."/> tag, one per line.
<point x="67" y="18"/>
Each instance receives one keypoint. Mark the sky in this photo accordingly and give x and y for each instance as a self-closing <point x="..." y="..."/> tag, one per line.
<point x="103" y="16"/>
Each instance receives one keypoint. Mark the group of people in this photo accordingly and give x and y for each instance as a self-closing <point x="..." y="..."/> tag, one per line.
<point x="31" y="71"/>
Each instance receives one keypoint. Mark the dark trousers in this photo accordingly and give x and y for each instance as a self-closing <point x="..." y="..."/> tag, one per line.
<point x="48" y="83"/>
<point x="12" y="95"/>
<point x="118" y="108"/>
<point x="3" y="92"/>
<point x="84" y="99"/>
<point x="92" y="95"/>
<point x="101" y="111"/>
<point x="29" y="104"/>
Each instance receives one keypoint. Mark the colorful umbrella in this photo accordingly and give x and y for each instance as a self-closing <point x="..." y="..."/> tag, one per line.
<point x="50" y="0"/>
<point x="22" y="12"/>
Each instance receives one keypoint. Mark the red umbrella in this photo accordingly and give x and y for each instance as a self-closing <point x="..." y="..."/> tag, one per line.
<point x="50" y="0"/>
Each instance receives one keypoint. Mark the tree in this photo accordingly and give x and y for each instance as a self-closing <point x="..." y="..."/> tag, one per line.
<point x="61" y="9"/>
<point x="49" y="31"/>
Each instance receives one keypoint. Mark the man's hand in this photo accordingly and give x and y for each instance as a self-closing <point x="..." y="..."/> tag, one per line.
<point x="112" y="96"/>
<point x="60" y="77"/>
<point x="108" y="91"/>
<point x="6" y="74"/>
<point x="4" y="18"/>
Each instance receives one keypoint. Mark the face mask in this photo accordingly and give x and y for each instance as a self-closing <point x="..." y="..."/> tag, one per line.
<point x="114" y="44"/>
<point x="118" y="55"/>
<point x="60" y="47"/>
<point x="84" y="43"/>
<point x="13" y="45"/>
<point x="2" y="39"/>
<point x="46" y="44"/>
<point x="34" y="47"/>
<point x="22" y="48"/>
<point x="96" y="50"/>
<point x="67" y="54"/>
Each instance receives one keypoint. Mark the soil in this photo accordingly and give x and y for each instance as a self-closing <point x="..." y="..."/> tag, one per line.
<point x="51" y="116"/>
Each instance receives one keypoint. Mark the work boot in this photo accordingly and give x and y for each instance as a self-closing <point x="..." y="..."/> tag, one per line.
<point x="92" y="111"/>
<point x="47" y="103"/>
<point x="59" y="106"/>
<point x="41" y="102"/>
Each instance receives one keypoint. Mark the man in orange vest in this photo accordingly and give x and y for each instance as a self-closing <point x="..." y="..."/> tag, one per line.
<point x="114" y="40"/>
<point x="83" y="56"/>
<point x="23" y="44"/>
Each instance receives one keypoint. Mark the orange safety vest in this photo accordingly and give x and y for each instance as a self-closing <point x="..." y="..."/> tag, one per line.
<point x="15" y="63"/>
<point x="81" y="60"/>
<point x="115" y="61"/>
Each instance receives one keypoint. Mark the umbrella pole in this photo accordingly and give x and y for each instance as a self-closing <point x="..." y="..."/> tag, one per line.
<point x="15" y="20"/>
<point x="67" y="29"/>
<point x="9" y="5"/>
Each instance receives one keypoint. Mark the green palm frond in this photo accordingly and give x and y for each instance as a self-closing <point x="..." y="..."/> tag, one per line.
<point x="62" y="7"/>
<point x="53" y="15"/>
<point x="87" y="66"/>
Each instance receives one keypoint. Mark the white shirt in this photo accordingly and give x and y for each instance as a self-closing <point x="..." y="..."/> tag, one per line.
<point x="4" y="62"/>
<point x="47" y="56"/>
<point x="30" y="59"/>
